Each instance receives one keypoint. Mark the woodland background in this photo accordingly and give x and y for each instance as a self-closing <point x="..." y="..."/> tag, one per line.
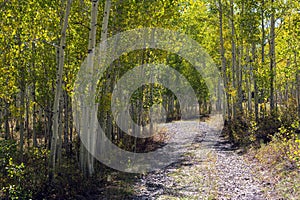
<point x="255" y="44"/>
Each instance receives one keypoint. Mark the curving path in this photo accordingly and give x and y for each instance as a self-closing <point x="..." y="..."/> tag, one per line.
<point x="210" y="169"/>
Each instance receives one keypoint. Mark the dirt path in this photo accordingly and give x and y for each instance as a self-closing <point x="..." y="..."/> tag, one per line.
<point x="210" y="169"/>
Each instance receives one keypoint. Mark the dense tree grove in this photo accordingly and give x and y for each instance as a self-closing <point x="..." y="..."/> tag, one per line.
<point x="255" y="45"/>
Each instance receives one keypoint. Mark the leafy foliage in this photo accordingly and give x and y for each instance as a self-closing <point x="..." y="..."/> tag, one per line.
<point x="29" y="40"/>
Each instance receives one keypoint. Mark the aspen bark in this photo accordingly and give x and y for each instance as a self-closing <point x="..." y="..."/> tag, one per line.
<point x="22" y="111"/>
<point x="233" y="54"/>
<point x="34" y="138"/>
<point x="239" y="75"/>
<point x="66" y="121"/>
<point x="7" y="132"/>
<point x="58" y="91"/>
<point x="298" y="83"/>
<point x="272" y="58"/>
<point x="223" y="60"/>
<point x="263" y="37"/>
<point x="255" y="82"/>
<point x="89" y="159"/>
<point x="249" y="81"/>
<point x="86" y="158"/>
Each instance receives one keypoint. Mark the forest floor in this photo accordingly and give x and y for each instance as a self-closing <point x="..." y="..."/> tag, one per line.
<point x="211" y="168"/>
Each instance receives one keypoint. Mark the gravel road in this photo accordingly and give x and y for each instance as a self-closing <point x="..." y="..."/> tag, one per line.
<point x="210" y="169"/>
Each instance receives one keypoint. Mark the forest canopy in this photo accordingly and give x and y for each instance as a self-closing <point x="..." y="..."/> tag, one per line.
<point x="255" y="45"/>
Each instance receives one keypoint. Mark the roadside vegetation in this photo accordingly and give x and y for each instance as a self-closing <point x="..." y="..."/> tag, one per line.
<point x="255" y="45"/>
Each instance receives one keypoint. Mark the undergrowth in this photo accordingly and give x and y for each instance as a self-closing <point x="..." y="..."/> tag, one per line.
<point x="26" y="176"/>
<point x="273" y="141"/>
<point x="281" y="157"/>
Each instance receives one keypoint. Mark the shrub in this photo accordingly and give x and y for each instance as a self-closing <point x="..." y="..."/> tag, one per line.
<point x="13" y="189"/>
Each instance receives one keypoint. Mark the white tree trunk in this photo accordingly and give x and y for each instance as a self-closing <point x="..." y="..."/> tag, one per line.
<point x="223" y="60"/>
<point x="272" y="58"/>
<point x="233" y="53"/>
<point x="87" y="157"/>
<point x="90" y="64"/>
<point x="58" y="91"/>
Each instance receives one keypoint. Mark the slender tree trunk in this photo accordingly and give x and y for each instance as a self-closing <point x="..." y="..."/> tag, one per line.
<point x="263" y="37"/>
<point x="22" y="111"/>
<point x="248" y="81"/>
<point x="272" y="58"/>
<point x="223" y="60"/>
<point x="58" y="91"/>
<point x="27" y="100"/>
<point x="22" y="85"/>
<point x="34" y="123"/>
<point x="6" y="111"/>
<point x="239" y="74"/>
<point x="239" y="70"/>
<point x="109" y="87"/>
<point x="87" y="159"/>
<point x="104" y="28"/>
<point x="34" y="138"/>
<point x="71" y="129"/>
<point x="255" y="82"/>
<point x="66" y="122"/>
<point x="298" y="83"/>
<point x="233" y="54"/>
<point x="103" y="38"/>
<point x="7" y="132"/>
<point x="48" y="125"/>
